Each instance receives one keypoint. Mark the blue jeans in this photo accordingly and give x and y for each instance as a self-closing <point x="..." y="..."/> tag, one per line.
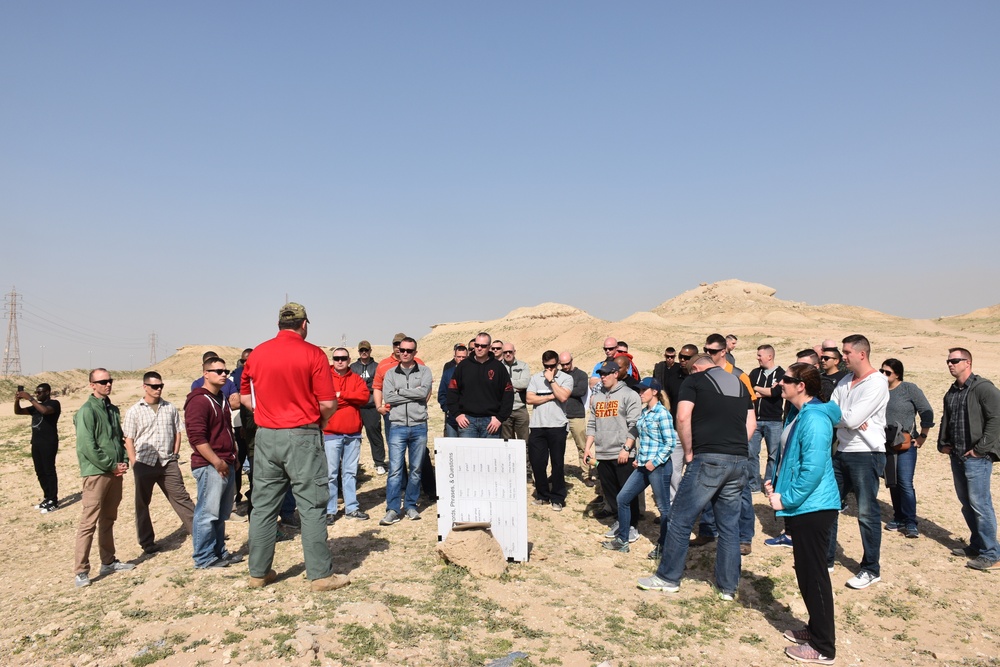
<point x="450" y="431"/>
<point x="719" y="480"/>
<point x="748" y="527"/>
<point x="215" y="504"/>
<point x="904" y="498"/>
<point x="860" y="472"/>
<point x="770" y="433"/>
<point x="403" y="440"/>
<point x="659" y="479"/>
<point x="972" y="484"/>
<point x="477" y="428"/>
<point x="346" y="449"/>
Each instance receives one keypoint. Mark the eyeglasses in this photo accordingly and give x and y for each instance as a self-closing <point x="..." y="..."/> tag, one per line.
<point x="218" y="371"/>
<point x="549" y="366"/>
<point x="407" y="350"/>
<point x="155" y="387"/>
<point x="884" y="372"/>
<point x="709" y="350"/>
<point x="481" y="346"/>
<point x="341" y="358"/>
<point x="609" y="349"/>
<point x="952" y="362"/>
<point x="104" y="382"/>
<point x="828" y="358"/>
<point x="684" y="357"/>
<point x="791" y="379"/>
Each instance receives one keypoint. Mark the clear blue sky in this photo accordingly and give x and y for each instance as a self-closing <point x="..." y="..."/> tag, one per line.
<point x="180" y="167"/>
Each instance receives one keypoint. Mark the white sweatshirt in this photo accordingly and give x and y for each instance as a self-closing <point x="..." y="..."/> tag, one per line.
<point x="863" y="403"/>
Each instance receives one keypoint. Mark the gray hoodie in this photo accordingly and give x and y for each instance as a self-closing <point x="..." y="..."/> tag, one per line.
<point x="611" y="418"/>
<point x="406" y="391"/>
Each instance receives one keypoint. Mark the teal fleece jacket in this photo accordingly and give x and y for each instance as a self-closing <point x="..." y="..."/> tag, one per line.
<point x="804" y="476"/>
<point x="100" y="444"/>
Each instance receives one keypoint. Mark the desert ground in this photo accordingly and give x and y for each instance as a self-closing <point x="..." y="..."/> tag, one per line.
<point x="571" y="604"/>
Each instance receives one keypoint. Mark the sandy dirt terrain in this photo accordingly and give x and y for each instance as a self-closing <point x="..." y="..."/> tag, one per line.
<point x="572" y="604"/>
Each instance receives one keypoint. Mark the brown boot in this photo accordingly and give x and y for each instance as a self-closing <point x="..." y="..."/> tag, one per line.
<point x="260" y="582"/>
<point x="331" y="583"/>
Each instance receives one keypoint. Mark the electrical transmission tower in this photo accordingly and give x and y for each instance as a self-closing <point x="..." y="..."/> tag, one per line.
<point x="152" y="348"/>
<point x="11" y="351"/>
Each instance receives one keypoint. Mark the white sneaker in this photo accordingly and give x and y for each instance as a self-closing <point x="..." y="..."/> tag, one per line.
<point x="380" y="470"/>
<point x="612" y="531"/>
<point x="863" y="579"/>
<point x="633" y="534"/>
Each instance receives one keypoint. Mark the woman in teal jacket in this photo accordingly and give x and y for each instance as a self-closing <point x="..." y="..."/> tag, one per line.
<point x="805" y="493"/>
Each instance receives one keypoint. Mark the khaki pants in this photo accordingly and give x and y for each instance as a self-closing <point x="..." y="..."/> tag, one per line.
<point x="168" y="477"/>
<point x="578" y="430"/>
<point x="101" y="497"/>
<point x="516" y="426"/>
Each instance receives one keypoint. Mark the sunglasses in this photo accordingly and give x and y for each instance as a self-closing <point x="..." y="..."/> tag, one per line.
<point x="481" y="346"/>
<point x="684" y="357"/>
<point x="790" y="379"/>
<point x="155" y="387"/>
<point x="827" y="358"/>
<point x="363" y="350"/>
<point x="609" y="349"/>
<point x="508" y="351"/>
<point x="668" y="356"/>
<point x="407" y="350"/>
<point x="104" y="382"/>
<point x="709" y="350"/>
<point x="549" y="366"/>
<point x="497" y="348"/>
<point x="341" y="358"/>
<point x="568" y="363"/>
<point x="952" y="362"/>
<point x="884" y="372"/>
<point x="218" y="371"/>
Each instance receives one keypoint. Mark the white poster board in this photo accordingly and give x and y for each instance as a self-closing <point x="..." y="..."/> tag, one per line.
<point x="484" y="480"/>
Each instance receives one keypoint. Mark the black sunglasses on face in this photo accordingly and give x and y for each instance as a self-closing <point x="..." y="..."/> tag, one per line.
<point x="218" y="371"/>
<point x="549" y="366"/>
<point x="104" y="382"/>
<point x="827" y="358"/>
<point x="884" y="372"/>
<point x="407" y="350"/>
<point x="709" y="350"/>
<point x="684" y="357"/>
<point x="955" y="361"/>
<point x="790" y="379"/>
<point x="482" y="346"/>
<point x="341" y="358"/>
<point x="155" y="387"/>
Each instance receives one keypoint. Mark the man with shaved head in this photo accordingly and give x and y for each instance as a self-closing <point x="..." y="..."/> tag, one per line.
<point x="610" y="350"/>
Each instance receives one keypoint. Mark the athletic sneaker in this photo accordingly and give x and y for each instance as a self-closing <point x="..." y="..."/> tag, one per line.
<point x="539" y="501"/>
<point x="654" y="554"/>
<point x="654" y="583"/>
<point x="116" y="566"/>
<point x="797" y="636"/>
<point x="48" y="506"/>
<point x="782" y="540"/>
<point x="557" y="507"/>
<point x="911" y="532"/>
<point x="357" y="514"/>
<point x="412" y="514"/>
<point x="633" y="534"/>
<point x="612" y="531"/>
<point x="616" y="545"/>
<point x="380" y="470"/>
<point x="983" y="563"/>
<point x="892" y="525"/>
<point x="806" y="653"/>
<point x="863" y="579"/>
<point x="726" y="597"/>
<point x="82" y="580"/>
<point x="967" y="552"/>
<point x="391" y="517"/>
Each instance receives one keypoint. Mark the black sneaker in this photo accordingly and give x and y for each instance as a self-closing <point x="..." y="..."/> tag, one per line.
<point x="217" y="563"/>
<point x="47" y="506"/>
<point x="966" y="552"/>
<point x="331" y="519"/>
<point x="357" y="514"/>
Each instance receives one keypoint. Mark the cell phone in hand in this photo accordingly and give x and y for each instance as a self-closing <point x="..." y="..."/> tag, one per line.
<point x="20" y="387"/>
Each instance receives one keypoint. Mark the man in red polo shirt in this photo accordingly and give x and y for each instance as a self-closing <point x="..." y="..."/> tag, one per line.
<point x="286" y="382"/>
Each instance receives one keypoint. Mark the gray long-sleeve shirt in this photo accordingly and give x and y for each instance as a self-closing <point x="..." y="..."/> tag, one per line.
<point x="406" y="390"/>
<point x="905" y="402"/>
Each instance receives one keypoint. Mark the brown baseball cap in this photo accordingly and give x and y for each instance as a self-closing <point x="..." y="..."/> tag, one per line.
<point x="292" y="311"/>
<point x="365" y="345"/>
<point x="398" y="338"/>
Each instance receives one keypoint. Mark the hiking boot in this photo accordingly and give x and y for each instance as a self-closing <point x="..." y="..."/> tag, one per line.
<point x="797" y="636"/>
<point x="391" y="517"/>
<point x="983" y="563"/>
<point x="863" y="579"/>
<point x="260" y="582"/>
<point x="746" y="548"/>
<point x="806" y="653"/>
<point x="616" y="545"/>
<point x="412" y="514"/>
<point x="782" y="540"/>
<point x="331" y="583"/>
<point x="701" y="541"/>
<point x="82" y="580"/>
<point x="654" y="583"/>
<point x="116" y="566"/>
<point x="357" y="514"/>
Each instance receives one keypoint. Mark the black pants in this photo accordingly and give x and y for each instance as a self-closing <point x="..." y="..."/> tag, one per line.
<point x="613" y="476"/>
<point x="44" y="458"/>
<point x="373" y="431"/>
<point x="810" y="539"/>
<point x="545" y="444"/>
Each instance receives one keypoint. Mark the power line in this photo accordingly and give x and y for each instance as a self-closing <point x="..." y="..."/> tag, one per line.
<point x="12" y="350"/>
<point x="152" y="348"/>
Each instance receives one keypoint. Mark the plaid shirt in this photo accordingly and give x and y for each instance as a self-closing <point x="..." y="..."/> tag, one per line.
<point x="152" y="432"/>
<point x="657" y="436"/>
<point x="958" y="416"/>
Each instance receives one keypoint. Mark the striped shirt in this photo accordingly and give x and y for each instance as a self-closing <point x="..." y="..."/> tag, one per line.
<point x="152" y="431"/>
<point x="657" y="436"/>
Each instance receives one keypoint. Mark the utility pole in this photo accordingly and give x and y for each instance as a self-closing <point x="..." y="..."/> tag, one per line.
<point x="12" y="350"/>
<point x="152" y="348"/>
